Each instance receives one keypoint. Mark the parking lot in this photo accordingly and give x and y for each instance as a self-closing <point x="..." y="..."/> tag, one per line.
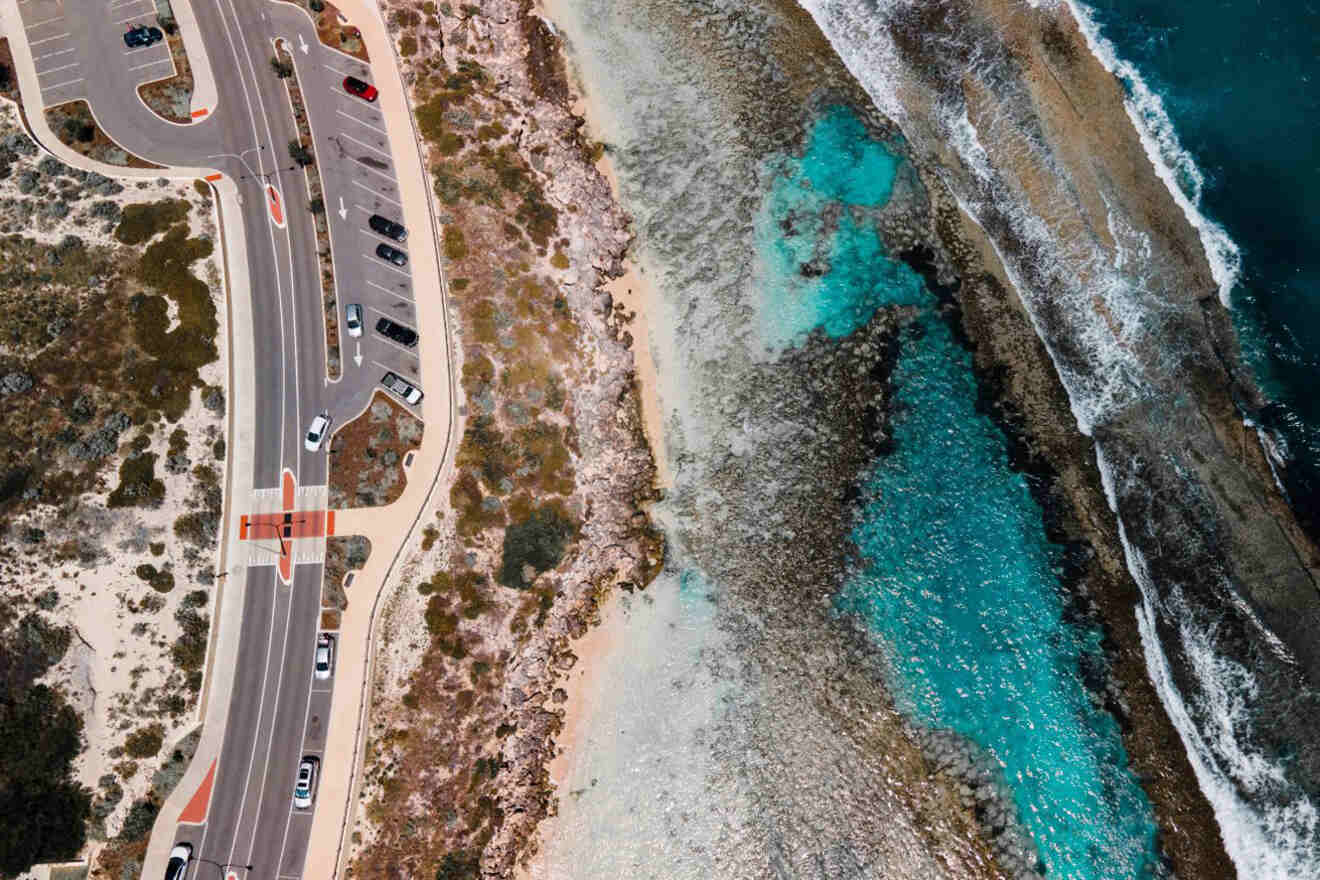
<point x="71" y="51"/>
<point x="358" y="176"/>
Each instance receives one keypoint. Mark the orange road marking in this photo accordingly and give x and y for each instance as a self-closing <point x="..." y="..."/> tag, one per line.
<point x="287" y="485"/>
<point x="329" y="523"/>
<point x="276" y="211"/>
<point x="242" y="528"/>
<point x="214" y="177"/>
<point x="198" y="114"/>
<point x="195" y="812"/>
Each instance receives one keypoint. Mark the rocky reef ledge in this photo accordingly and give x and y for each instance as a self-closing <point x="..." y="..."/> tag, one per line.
<point x="546" y="512"/>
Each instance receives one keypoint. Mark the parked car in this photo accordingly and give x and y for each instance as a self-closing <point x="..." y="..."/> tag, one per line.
<point x="305" y="787"/>
<point x="392" y="255"/>
<point x="399" y="333"/>
<point x="353" y="319"/>
<point x="316" y="433"/>
<point x="177" y="867"/>
<point x="364" y="90"/>
<point x="400" y="386"/>
<point x="325" y="656"/>
<point x="387" y="227"/>
<point x="137" y="37"/>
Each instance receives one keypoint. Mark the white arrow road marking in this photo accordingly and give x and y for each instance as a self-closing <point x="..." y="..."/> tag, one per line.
<point x="357" y="358"/>
<point x="343" y="212"/>
<point x="302" y="44"/>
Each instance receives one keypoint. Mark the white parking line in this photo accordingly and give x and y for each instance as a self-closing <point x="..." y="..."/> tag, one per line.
<point x="355" y="119"/>
<point x="394" y="370"/>
<point x="361" y="164"/>
<point x="119" y="3"/>
<point x="47" y="39"/>
<point x="349" y="137"/>
<point x="343" y="72"/>
<point x="40" y="23"/>
<point x="130" y="18"/>
<point x="53" y="69"/>
<point x="391" y="293"/>
<point x="140" y="49"/>
<point x="63" y="84"/>
<point x="388" y="265"/>
<point x="376" y="194"/>
<point x="56" y="52"/>
<point x="150" y="64"/>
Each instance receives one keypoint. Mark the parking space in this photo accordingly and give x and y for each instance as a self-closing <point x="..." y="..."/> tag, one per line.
<point x="358" y="175"/>
<point x="54" y="51"/>
<point x="81" y="53"/>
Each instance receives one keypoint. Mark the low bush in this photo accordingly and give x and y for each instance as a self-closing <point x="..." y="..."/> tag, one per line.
<point x="538" y="542"/>
<point x="139" y="223"/>
<point x="138" y="486"/>
<point x="145" y="742"/>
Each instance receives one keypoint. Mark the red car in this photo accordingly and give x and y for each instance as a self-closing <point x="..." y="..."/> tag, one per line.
<point x="364" y="90"/>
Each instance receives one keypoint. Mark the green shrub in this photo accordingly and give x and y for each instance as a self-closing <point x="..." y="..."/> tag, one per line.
<point x="140" y="223"/>
<point x="45" y="811"/>
<point x="145" y="742"/>
<point x="538" y="541"/>
<point x="300" y="154"/>
<point x="189" y="649"/>
<point x="159" y="580"/>
<point x="138" y="486"/>
<point x="407" y="45"/>
<point x="459" y="866"/>
<point x="455" y="243"/>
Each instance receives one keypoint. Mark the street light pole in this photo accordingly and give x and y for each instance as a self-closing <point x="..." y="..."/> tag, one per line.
<point x="222" y="865"/>
<point x="279" y="531"/>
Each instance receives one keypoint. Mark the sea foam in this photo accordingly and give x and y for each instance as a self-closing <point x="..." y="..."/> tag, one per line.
<point x="1173" y="163"/>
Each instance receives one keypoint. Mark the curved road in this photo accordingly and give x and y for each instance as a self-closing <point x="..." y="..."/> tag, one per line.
<point x="277" y="710"/>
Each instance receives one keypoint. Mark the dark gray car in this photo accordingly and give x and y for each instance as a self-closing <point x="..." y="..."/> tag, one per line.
<point x="399" y="333"/>
<point x="393" y="255"/>
<point x="387" y="227"/>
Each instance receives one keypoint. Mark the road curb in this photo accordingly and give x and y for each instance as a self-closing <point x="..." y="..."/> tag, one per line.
<point x="34" y="106"/>
<point x="228" y="619"/>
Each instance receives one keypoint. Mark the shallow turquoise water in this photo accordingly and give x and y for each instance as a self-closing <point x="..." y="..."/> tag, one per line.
<point x="959" y="581"/>
<point x="844" y="168"/>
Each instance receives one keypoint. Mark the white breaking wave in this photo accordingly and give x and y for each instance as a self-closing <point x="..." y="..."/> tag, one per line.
<point x="1174" y="165"/>
<point x="1276" y="843"/>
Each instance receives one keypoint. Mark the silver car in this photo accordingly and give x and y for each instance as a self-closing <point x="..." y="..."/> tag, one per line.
<point x="353" y="319"/>
<point x="325" y="656"/>
<point x="410" y="393"/>
<point x="306" y="784"/>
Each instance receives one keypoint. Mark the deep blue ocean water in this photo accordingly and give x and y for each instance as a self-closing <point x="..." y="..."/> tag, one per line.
<point x="959" y="581"/>
<point x="1240" y="80"/>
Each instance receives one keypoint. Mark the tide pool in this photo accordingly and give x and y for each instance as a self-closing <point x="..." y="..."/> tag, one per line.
<point x="958" y="580"/>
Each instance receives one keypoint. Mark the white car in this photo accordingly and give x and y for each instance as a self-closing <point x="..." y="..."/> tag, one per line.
<point x="306" y="784"/>
<point x="316" y="433"/>
<point x="410" y="393"/>
<point x="353" y="319"/>
<point x="177" y="867"/>
<point x="325" y="656"/>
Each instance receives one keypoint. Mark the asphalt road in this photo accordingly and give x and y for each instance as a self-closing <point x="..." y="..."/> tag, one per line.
<point x="278" y="711"/>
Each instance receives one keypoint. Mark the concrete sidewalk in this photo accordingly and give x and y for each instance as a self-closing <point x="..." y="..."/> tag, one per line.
<point x="394" y="528"/>
<point x="205" y="96"/>
<point x="227" y="619"/>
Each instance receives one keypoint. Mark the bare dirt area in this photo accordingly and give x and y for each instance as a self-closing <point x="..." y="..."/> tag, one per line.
<point x="333" y="29"/>
<point x="111" y="461"/>
<point x="367" y="454"/>
<point x="545" y="516"/>
<point x="76" y="128"/>
<point x="171" y="97"/>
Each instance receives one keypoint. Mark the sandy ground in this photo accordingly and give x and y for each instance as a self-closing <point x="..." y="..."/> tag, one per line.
<point x="633" y="291"/>
<point x="120" y="652"/>
<point x="594" y="650"/>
